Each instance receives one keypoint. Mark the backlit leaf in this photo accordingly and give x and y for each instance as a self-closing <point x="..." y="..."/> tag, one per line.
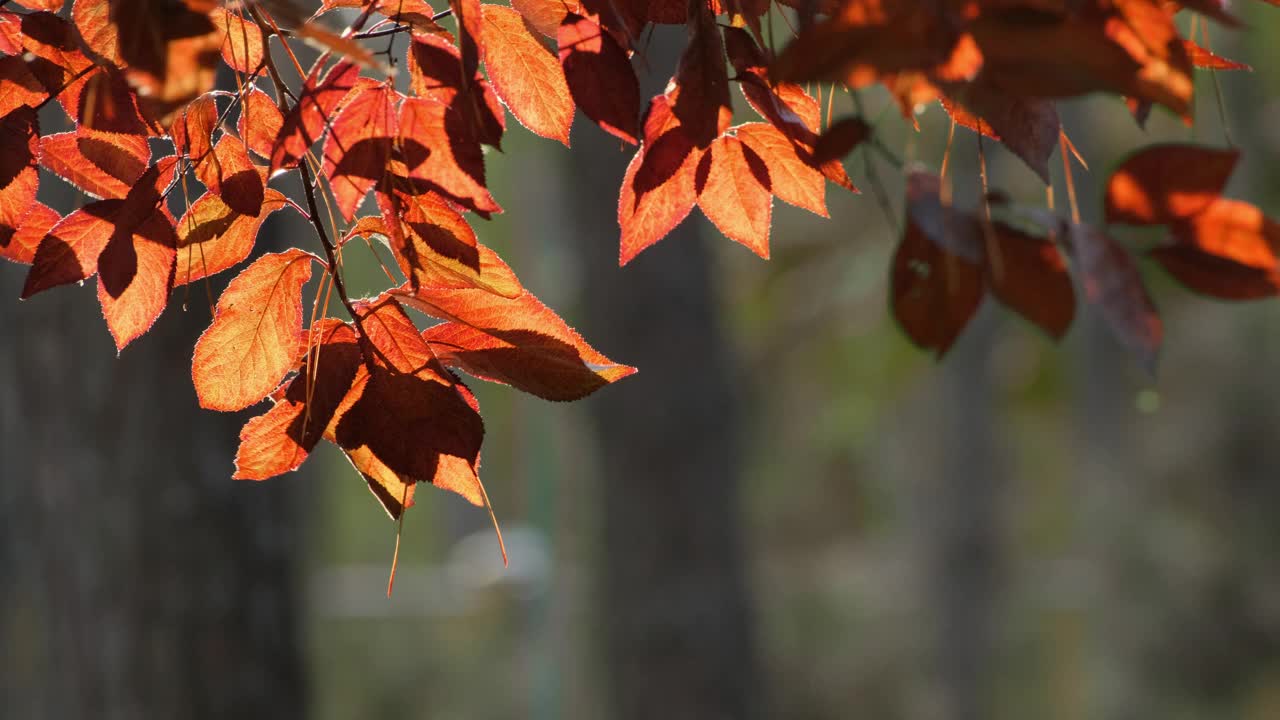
<point x="733" y="186"/>
<point x="213" y="237"/>
<point x="255" y="334"/>
<point x="135" y="274"/>
<point x="20" y="245"/>
<point x="600" y="77"/>
<point x="792" y="180"/>
<point x="19" y="179"/>
<point x="104" y="165"/>
<point x="358" y="146"/>
<point x="525" y="75"/>
<point x="260" y="122"/>
<point x="1228" y="250"/>
<point x="227" y="171"/>
<point x="1164" y="183"/>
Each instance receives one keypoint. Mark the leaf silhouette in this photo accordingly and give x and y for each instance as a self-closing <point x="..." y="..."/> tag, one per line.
<point x="1112" y="283"/>
<point x="600" y="77"/>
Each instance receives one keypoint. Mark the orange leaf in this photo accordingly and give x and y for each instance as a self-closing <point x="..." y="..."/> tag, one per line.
<point x="106" y="102"/>
<point x="135" y="274"/>
<point x="242" y="44"/>
<point x="1028" y="274"/>
<point x="437" y="154"/>
<point x="545" y="16"/>
<point x="517" y="341"/>
<point x="255" y="335"/>
<point x="19" y="179"/>
<point x="1204" y="58"/>
<point x="358" y="146"/>
<point x="435" y="71"/>
<point x="260" y="122"/>
<point x="213" y="237"/>
<point x="600" y="77"/>
<point x="192" y="128"/>
<point x="1229" y="250"/>
<point x="228" y="172"/>
<point x="280" y="440"/>
<point x="69" y="253"/>
<point x="18" y="86"/>
<point x="397" y="341"/>
<point x="733" y="186"/>
<point x="19" y="245"/>
<point x="101" y="164"/>
<point x="792" y="180"/>
<point x="525" y="75"/>
<point x="305" y="121"/>
<point x="1167" y="182"/>
<point x="652" y="203"/>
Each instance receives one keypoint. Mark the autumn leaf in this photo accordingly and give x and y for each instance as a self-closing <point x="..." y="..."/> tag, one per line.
<point x="18" y="86"/>
<point x="280" y="440"/>
<point x="600" y="77"/>
<point x="19" y="156"/>
<point x="104" y="165"/>
<point x="703" y="108"/>
<point x="213" y="237"/>
<point x="1228" y="250"/>
<point x="1113" y="284"/>
<point x="69" y="253"/>
<point x="358" y="146"/>
<point x="255" y="334"/>
<point x="525" y="75"/>
<point x="242" y="43"/>
<point x="306" y="120"/>
<point x="650" y="205"/>
<point x="436" y="154"/>
<point x="19" y="245"/>
<point x="1164" y="183"/>
<point x="933" y="293"/>
<point x="260" y="122"/>
<point x="792" y="180"/>
<point x="228" y="172"/>
<point x="1028" y="274"/>
<point x="733" y="187"/>
<point x="546" y="16"/>
<point x="135" y="274"/>
<point x="435" y="72"/>
<point x="1028" y="127"/>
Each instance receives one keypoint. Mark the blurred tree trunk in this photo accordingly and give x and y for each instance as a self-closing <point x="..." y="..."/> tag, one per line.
<point x="674" y="602"/>
<point x="139" y="580"/>
<point x="963" y="528"/>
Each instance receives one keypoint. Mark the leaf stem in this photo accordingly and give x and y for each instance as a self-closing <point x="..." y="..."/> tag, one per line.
<point x="338" y="283"/>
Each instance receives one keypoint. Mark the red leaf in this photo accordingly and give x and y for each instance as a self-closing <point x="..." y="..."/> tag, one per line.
<point x="213" y="237"/>
<point x="1163" y="183"/>
<point x="397" y="342"/>
<point x="228" y="172"/>
<point x="358" y="147"/>
<point x="840" y="139"/>
<point x="1028" y="127"/>
<point x="435" y="71"/>
<point x="104" y="165"/>
<point x="106" y="102"/>
<point x="20" y="245"/>
<point x="260" y="122"/>
<point x="135" y="273"/>
<point x="1228" y="250"/>
<point x="934" y="293"/>
<point x="703" y="108"/>
<point x="525" y="75"/>
<point x="49" y="5"/>
<point x="792" y="180"/>
<point x="192" y="128"/>
<point x="19" y="179"/>
<point x="733" y="187"/>
<point x="600" y="77"/>
<point x="305" y="122"/>
<point x="57" y="56"/>
<point x="18" y="86"/>
<point x="242" y="44"/>
<point x="1028" y="274"/>
<point x="517" y="341"/>
<point x="441" y="156"/>
<point x="545" y="16"/>
<point x="256" y="333"/>
<point x="648" y="209"/>
<point x="1112" y="283"/>
<point x="69" y="253"/>
<point x="280" y="440"/>
<point x="1204" y="58"/>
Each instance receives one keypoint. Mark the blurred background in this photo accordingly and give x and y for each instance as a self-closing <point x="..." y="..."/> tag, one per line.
<point x="789" y="511"/>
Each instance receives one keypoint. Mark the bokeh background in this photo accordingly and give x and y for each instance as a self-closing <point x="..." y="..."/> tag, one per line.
<point x="789" y="512"/>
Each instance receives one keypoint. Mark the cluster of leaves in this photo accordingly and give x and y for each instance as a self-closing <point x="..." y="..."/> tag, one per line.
<point x="136" y="75"/>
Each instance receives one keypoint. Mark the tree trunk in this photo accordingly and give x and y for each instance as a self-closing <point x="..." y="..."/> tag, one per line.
<point x="140" y="581"/>
<point x="674" y="606"/>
